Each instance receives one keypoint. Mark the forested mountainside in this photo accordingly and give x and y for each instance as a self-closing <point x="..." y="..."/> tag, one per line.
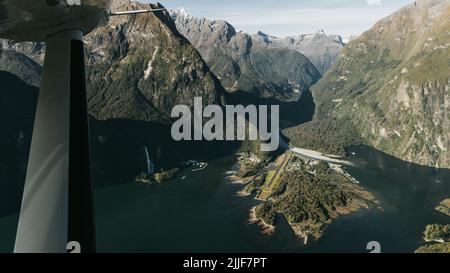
<point x="392" y="84"/>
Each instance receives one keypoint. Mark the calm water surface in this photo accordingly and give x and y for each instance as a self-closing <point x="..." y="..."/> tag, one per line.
<point x="202" y="213"/>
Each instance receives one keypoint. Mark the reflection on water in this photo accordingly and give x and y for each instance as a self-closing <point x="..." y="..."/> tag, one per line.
<point x="202" y="214"/>
<point x="198" y="214"/>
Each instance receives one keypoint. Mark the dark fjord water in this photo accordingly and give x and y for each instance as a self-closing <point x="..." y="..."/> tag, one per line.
<point x="202" y="214"/>
<point x="408" y="194"/>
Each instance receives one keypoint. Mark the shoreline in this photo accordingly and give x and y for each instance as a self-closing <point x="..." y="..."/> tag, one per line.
<point x="310" y="232"/>
<point x="265" y="228"/>
<point x="427" y="240"/>
<point x="444" y="207"/>
<point x="339" y="169"/>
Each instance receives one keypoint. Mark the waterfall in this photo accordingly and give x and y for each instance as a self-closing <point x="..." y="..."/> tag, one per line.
<point x="150" y="166"/>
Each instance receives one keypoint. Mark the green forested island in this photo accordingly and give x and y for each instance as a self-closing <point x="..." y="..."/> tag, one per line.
<point x="436" y="232"/>
<point x="438" y="239"/>
<point x="434" y="248"/>
<point x="308" y="193"/>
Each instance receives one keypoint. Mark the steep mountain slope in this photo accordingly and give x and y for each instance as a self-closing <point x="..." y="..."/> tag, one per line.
<point x="245" y="64"/>
<point x="140" y="67"/>
<point x="15" y="62"/>
<point x="321" y="49"/>
<point x="393" y="82"/>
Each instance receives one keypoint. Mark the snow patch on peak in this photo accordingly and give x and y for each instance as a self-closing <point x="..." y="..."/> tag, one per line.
<point x="180" y="13"/>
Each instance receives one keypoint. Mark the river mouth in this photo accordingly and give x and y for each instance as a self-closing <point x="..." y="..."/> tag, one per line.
<point x="202" y="213"/>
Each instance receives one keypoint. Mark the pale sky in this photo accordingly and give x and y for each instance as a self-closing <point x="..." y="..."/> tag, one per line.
<point x="292" y="17"/>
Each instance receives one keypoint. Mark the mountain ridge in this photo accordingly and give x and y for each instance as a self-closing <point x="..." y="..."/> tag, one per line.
<point x="321" y="49"/>
<point x="243" y="63"/>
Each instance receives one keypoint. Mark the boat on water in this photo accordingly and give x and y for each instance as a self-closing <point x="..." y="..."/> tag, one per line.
<point x="197" y="165"/>
<point x="201" y="166"/>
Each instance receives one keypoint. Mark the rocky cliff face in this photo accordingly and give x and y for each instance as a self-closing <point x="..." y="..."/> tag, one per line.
<point x="139" y="67"/>
<point x="243" y="63"/>
<point x="14" y="59"/>
<point x="393" y="84"/>
<point x="321" y="49"/>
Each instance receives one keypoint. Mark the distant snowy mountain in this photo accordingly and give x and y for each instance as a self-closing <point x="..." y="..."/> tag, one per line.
<point x="321" y="49"/>
<point x="242" y="63"/>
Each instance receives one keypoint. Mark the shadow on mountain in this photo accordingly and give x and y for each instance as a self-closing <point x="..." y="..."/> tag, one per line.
<point x="117" y="146"/>
<point x="291" y="112"/>
<point x="118" y="149"/>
